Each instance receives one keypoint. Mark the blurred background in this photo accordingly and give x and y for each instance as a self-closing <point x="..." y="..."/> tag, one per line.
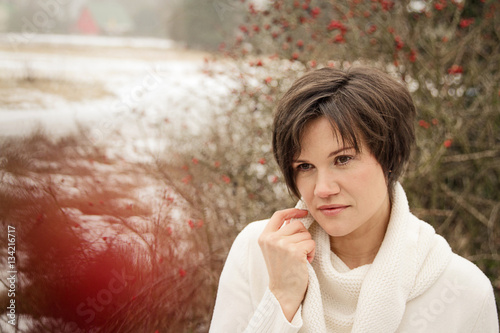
<point x="135" y="141"/>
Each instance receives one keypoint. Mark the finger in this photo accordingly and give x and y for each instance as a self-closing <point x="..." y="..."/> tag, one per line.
<point x="292" y="227"/>
<point x="285" y="223"/>
<point x="280" y="216"/>
<point x="298" y="237"/>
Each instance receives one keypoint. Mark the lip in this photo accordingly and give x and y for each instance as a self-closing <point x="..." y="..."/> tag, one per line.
<point x="332" y="210"/>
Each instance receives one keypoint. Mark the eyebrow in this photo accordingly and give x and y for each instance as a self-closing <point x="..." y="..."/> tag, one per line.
<point x="333" y="153"/>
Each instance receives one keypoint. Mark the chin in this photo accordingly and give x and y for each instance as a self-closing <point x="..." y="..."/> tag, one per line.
<point x="337" y="232"/>
<point x="335" y="228"/>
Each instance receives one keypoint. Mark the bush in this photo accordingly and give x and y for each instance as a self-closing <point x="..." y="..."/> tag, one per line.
<point x="446" y="52"/>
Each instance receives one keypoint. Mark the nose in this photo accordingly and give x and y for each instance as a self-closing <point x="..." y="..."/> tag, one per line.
<point x="326" y="184"/>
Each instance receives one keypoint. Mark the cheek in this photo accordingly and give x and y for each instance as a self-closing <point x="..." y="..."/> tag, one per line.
<point x="371" y="181"/>
<point x="368" y="173"/>
<point x="305" y="187"/>
<point x="365" y="181"/>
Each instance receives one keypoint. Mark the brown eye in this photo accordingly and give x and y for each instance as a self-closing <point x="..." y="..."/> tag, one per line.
<point x="342" y="160"/>
<point x="304" y="167"/>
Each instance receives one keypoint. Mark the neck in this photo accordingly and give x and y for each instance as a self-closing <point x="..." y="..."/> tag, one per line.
<point x="361" y="246"/>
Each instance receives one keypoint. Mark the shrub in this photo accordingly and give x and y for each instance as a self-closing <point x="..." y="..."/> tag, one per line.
<point x="446" y="52"/>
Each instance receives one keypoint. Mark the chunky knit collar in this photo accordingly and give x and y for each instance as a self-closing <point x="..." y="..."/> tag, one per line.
<point x="372" y="298"/>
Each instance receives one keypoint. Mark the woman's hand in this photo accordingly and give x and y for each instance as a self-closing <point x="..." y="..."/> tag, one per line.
<point x="287" y="247"/>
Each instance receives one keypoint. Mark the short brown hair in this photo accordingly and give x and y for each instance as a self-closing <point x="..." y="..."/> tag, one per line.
<point x="361" y="103"/>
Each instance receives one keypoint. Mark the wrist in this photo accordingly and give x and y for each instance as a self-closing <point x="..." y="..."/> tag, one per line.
<point x="288" y="303"/>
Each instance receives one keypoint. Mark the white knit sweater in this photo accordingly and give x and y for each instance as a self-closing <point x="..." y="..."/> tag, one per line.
<point x="415" y="284"/>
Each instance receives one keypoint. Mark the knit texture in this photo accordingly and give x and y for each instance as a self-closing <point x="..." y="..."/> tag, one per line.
<point x="372" y="298"/>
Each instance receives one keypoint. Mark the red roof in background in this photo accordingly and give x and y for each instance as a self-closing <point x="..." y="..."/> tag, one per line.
<point x="86" y="23"/>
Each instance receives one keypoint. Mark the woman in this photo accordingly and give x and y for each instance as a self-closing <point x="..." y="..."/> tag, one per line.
<point x="350" y="257"/>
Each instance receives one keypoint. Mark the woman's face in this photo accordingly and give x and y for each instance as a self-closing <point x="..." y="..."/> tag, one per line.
<point x="346" y="192"/>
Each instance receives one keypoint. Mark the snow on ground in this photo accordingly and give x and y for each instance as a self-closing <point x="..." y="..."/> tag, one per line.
<point x="103" y="41"/>
<point x="151" y="76"/>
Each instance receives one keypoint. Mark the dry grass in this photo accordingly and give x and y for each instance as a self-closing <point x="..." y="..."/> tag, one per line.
<point x="82" y="214"/>
<point x="14" y="93"/>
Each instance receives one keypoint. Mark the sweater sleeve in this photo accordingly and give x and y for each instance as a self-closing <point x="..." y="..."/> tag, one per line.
<point x="234" y="310"/>
<point x="487" y="322"/>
